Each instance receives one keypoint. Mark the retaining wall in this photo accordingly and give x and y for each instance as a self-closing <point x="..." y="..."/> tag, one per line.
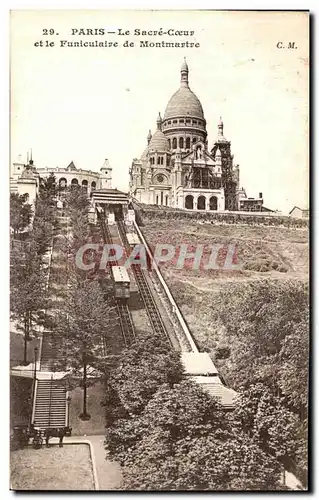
<point x="150" y="213"/>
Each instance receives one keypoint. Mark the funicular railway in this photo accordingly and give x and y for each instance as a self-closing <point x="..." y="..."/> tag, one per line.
<point x="125" y="318"/>
<point x="112" y="216"/>
<point x="120" y="229"/>
<point x="144" y="289"/>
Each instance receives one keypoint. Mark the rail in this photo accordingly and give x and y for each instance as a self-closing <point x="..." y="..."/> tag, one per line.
<point x="50" y="402"/>
<point x="168" y="294"/>
<point x="146" y="292"/>
<point x="34" y="400"/>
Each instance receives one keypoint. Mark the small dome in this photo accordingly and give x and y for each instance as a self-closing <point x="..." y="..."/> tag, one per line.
<point x="158" y="142"/>
<point x="144" y="155"/>
<point x="184" y="103"/>
<point x="27" y="173"/>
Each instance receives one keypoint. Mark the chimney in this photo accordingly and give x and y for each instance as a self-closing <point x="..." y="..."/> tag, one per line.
<point x="260" y="195"/>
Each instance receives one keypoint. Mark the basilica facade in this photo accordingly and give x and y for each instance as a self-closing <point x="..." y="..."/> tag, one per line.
<point x="177" y="169"/>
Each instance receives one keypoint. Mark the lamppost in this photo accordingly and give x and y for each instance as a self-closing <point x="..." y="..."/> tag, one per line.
<point x="68" y="402"/>
<point x="36" y="350"/>
<point x="84" y="415"/>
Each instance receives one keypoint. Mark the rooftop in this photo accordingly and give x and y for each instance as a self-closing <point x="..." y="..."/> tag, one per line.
<point x="198" y="363"/>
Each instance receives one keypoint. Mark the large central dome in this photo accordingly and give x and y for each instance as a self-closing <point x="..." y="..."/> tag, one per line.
<point x="184" y="102"/>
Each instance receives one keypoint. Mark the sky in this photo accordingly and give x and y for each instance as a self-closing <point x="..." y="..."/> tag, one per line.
<point x="87" y="104"/>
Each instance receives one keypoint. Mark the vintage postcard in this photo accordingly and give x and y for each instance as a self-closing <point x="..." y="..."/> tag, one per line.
<point x="159" y="226"/>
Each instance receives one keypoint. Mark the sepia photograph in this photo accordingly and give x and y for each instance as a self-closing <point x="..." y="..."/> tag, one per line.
<point x="159" y="250"/>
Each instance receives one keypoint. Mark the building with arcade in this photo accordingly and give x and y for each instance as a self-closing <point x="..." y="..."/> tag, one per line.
<point x="26" y="177"/>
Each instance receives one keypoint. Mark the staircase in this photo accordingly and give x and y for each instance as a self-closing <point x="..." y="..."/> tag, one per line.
<point x="50" y="408"/>
<point x="48" y="352"/>
<point x="50" y="405"/>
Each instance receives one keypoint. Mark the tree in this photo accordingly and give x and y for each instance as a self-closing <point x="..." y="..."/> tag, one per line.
<point x="203" y="463"/>
<point x="20" y="212"/>
<point x="48" y="187"/>
<point x="174" y="411"/>
<point x="83" y="326"/>
<point x="184" y="440"/>
<point x="28" y="291"/>
<point x="264" y="417"/>
<point x="294" y="376"/>
<point x="41" y="235"/>
<point x="77" y="199"/>
<point x="209" y="463"/>
<point x="257" y="318"/>
<point x="266" y="326"/>
<point x="144" y="367"/>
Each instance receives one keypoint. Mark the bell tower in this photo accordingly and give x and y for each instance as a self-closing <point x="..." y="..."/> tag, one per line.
<point x="106" y="175"/>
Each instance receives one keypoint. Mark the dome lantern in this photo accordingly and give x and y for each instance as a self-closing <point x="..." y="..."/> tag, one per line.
<point x="184" y="74"/>
<point x="159" y="121"/>
<point x="220" y="126"/>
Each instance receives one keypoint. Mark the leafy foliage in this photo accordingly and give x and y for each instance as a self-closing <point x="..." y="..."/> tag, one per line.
<point x="170" y="435"/>
<point x="264" y="417"/>
<point x="144" y="367"/>
<point x="183" y="440"/>
<point x="20" y="212"/>
<point x="48" y="187"/>
<point x="266" y="326"/>
<point x="28" y="297"/>
<point x="84" y="321"/>
<point x="77" y="204"/>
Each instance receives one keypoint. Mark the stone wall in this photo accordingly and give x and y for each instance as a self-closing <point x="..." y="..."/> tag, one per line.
<point x="146" y="213"/>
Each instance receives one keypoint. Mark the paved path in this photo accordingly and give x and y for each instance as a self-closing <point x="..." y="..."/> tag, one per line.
<point x="108" y="473"/>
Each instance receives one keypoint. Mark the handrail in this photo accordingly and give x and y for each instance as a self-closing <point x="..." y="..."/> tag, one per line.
<point x="35" y="387"/>
<point x="67" y="408"/>
<point x="50" y="401"/>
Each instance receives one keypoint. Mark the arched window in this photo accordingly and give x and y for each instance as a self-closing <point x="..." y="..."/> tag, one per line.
<point x="213" y="203"/>
<point x="85" y="185"/>
<point x="181" y="143"/>
<point x="167" y="162"/>
<point x="201" y="203"/>
<point x="93" y="185"/>
<point x="162" y="160"/>
<point x="74" y="182"/>
<point x="189" y="202"/>
<point x="157" y="199"/>
<point x="188" y="142"/>
<point x="158" y="160"/>
<point x="174" y="143"/>
<point x="169" y="143"/>
<point x="194" y="140"/>
<point x="166" y="199"/>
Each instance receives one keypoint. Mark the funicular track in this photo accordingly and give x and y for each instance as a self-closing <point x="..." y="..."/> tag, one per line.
<point x="125" y="318"/>
<point x="145" y="291"/>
